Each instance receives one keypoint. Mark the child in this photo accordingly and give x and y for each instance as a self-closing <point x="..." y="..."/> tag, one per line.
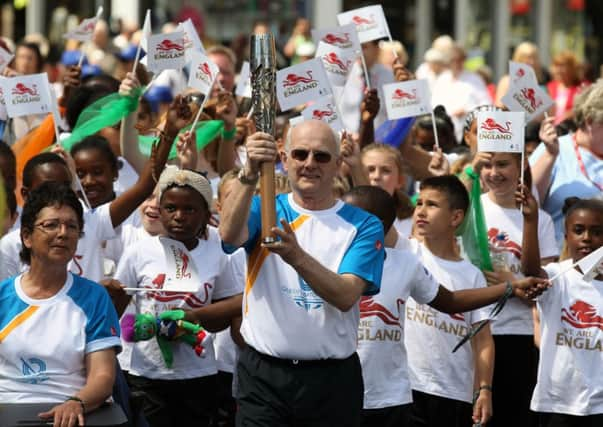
<point x="383" y="166"/>
<point x="569" y="388"/>
<point x="381" y="348"/>
<point x="442" y="382"/>
<point x="185" y="393"/>
<point x="100" y="223"/>
<point x="513" y="328"/>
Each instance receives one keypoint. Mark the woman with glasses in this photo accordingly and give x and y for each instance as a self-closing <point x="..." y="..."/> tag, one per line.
<point x="59" y="332"/>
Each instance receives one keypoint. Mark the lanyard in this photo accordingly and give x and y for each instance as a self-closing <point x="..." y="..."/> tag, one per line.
<point x="581" y="164"/>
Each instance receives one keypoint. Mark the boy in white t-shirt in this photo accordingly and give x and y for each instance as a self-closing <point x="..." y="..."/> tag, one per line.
<point x="445" y="384"/>
<point x="387" y="394"/>
<point x="569" y="388"/>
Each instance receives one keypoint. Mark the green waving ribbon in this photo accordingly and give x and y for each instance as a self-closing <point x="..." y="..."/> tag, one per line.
<point x="205" y="131"/>
<point x="473" y="230"/>
<point x="104" y="112"/>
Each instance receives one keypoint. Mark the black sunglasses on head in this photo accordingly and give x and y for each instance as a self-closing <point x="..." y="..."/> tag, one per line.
<point x="320" y="156"/>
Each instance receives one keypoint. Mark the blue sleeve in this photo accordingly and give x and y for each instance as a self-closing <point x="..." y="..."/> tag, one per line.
<point x="102" y="327"/>
<point x="254" y="228"/>
<point x="364" y="258"/>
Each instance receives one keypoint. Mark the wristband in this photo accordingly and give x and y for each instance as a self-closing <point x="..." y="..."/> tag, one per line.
<point x="229" y="134"/>
<point x="477" y="392"/>
<point x="77" y="399"/>
<point x="470" y="172"/>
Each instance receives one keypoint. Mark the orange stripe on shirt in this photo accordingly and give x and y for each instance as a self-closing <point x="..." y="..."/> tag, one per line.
<point x="258" y="256"/>
<point x="18" y="319"/>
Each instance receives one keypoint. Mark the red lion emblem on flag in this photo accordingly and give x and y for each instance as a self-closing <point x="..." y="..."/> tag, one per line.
<point x="491" y="124"/>
<point x="21" y="89"/>
<point x="400" y="94"/>
<point x="204" y="68"/>
<point x="335" y="39"/>
<point x="582" y="315"/>
<point x="509" y="245"/>
<point x="530" y="94"/>
<point x="368" y="308"/>
<point x="332" y="58"/>
<point x="167" y="44"/>
<point x="359" y="20"/>
<point x="293" y="79"/>
<point x="320" y="114"/>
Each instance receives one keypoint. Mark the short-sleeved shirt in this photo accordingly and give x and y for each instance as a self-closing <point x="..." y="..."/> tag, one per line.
<point x="144" y="265"/>
<point x="516" y="318"/>
<point x="381" y="331"/>
<point x="43" y="342"/>
<point x="567" y="180"/>
<point x="282" y="315"/>
<point x="88" y="258"/>
<point x="431" y="335"/>
<point x="570" y="380"/>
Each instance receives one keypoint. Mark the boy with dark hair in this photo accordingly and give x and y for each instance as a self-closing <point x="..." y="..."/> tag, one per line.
<point x="387" y="391"/>
<point x="445" y="384"/>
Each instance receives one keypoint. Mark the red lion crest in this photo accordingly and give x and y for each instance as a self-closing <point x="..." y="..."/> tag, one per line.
<point x="530" y="94"/>
<point x="368" y="308"/>
<point x="204" y="68"/>
<point x="491" y="124"/>
<point x="582" y="315"/>
<point x="293" y="79"/>
<point x="335" y="39"/>
<point x="359" y="20"/>
<point x="21" y="89"/>
<point x="508" y="244"/>
<point x="320" y="114"/>
<point x="167" y="44"/>
<point x="400" y="94"/>
<point x="332" y="58"/>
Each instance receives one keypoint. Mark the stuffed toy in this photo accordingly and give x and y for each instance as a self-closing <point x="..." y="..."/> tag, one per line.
<point x="169" y="326"/>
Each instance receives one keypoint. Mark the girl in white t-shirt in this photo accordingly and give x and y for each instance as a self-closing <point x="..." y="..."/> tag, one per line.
<point x="512" y="329"/>
<point x="198" y="272"/>
<point x="569" y="389"/>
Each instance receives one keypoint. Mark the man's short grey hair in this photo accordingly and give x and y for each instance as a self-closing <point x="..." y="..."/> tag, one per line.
<point x="336" y="138"/>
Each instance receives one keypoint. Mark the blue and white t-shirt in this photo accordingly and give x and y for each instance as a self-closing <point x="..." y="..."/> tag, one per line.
<point x="43" y="342"/>
<point x="282" y="315"/>
<point x="567" y="180"/>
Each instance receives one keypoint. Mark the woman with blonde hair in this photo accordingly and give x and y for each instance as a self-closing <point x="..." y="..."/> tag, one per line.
<point x="525" y="53"/>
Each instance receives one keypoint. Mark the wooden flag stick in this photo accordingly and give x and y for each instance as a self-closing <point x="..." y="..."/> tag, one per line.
<point x="366" y="74"/>
<point x="435" y="129"/>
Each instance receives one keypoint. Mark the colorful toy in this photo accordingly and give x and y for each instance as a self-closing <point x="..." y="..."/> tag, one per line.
<point x="169" y="326"/>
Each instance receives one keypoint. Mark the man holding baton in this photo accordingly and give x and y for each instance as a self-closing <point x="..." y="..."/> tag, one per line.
<point x="300" y="311"/>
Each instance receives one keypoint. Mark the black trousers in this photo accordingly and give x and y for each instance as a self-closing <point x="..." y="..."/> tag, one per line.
<point x="168" y="403"/>
<point x="515" y="370"/>
<point x="562" y="420"/>
<point x="278" y="393"/>
<point x="393" y="416"/>
<point x="436" y="411"/>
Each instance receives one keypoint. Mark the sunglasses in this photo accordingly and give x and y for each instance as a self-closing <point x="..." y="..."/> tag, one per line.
<point x="301" y="155"/>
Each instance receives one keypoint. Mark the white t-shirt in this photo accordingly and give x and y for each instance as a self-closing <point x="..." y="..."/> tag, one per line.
<point x="516" y="318"/>
<point x="225" y="348"/>
<point x="88" y="259"/>
<point x="381" y="331"/>
<point x="570" y="380"/>
<point x="126" y="176"/>
<point x="144" y="265"/>
<point x="403" y="226"/>
<point x="431" y="335"/>
<point x="43" y="342"/>
<point x="282" y="316"/>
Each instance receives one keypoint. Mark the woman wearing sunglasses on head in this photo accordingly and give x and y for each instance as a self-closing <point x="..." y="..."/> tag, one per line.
<point x="59" y="332"/>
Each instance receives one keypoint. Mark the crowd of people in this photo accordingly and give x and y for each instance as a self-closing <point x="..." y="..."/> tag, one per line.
<point x="349" y="317"/>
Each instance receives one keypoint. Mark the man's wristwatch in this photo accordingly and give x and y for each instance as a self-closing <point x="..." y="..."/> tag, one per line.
<point x="245" y="179"/>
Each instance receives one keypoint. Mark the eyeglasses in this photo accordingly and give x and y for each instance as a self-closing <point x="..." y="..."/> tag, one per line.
<point x="54" y="226"/>
<point x="301" y="155"/>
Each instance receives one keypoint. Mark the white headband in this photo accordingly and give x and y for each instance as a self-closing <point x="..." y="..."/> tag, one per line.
<point x="182" y="177"/>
